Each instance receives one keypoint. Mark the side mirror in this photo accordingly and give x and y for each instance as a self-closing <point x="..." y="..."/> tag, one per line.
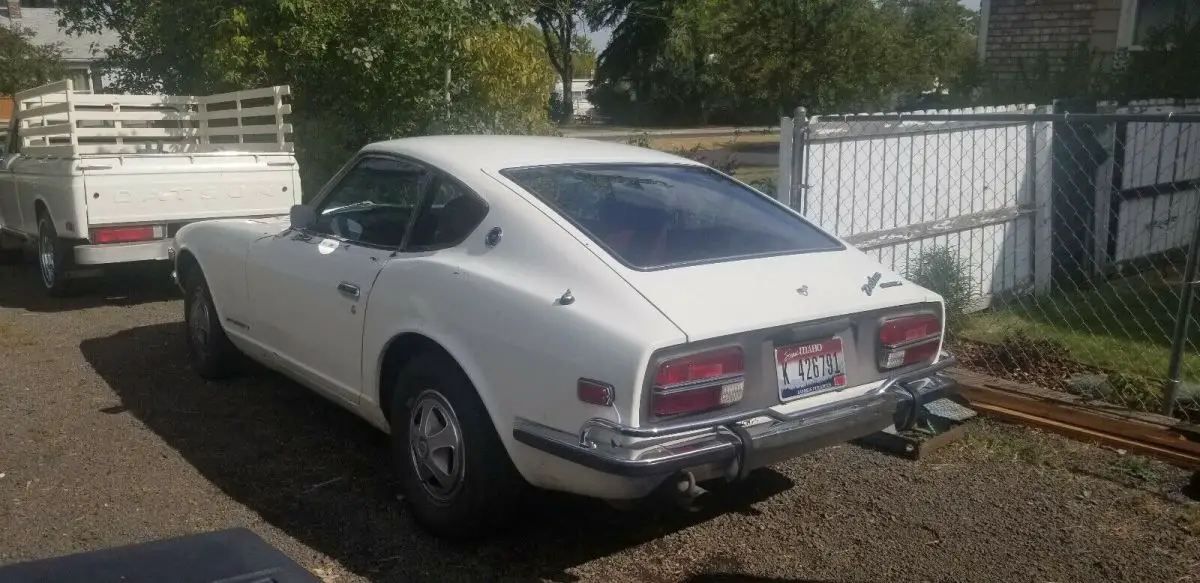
<point x="302" y="216"/>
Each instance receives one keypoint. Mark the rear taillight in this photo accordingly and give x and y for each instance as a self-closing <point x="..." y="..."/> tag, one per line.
<point x="908" y="340"/>
<point x="127" y="234"/>
<point x="699" y="383"/>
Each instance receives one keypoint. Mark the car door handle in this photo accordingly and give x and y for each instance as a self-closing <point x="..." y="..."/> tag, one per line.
<point x="348" y="289"/>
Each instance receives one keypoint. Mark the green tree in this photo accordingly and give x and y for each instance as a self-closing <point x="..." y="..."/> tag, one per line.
<point x="24" y="64"/>
<point x="361" y="70"/>
<point x="583" y="56"/>
<point x="559" y="21"/>
<point x="509" y="78"/>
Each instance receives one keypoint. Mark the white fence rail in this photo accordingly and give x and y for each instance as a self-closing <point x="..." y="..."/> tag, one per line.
<point x="1158" y="177"/>
<point x="895" y="188"/>
<point x="1019" y="193"/>
<point x="56" y="120"/>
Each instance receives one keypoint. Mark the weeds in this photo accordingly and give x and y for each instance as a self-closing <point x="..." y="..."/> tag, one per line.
<point x="943" y="271"/>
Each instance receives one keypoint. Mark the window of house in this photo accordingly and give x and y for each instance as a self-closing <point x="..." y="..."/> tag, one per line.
<point x="81" y="79"/>
<point x="1142" y="19"/>
<point x="39" y="3"/>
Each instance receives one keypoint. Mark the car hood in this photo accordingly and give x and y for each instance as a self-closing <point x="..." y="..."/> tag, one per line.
<point x="712" y="300"/>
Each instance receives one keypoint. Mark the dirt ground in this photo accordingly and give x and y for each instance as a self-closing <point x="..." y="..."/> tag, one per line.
<point x="107" y="438"/>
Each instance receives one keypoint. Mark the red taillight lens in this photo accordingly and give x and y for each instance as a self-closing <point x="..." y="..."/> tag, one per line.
<point x="126" y="234"/>
<point x="708" y="365"/>
<point x="699" y="383"/>
<point x="908" y="340"/>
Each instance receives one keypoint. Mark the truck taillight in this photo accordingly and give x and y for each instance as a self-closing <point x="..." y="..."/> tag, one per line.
<point x="908" y="340"/>
<point x="699" y="383"/>
<point x="127" y="234"/>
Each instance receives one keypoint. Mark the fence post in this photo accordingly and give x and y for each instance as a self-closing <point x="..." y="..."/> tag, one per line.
<point x="797" y="188"/>
<point x="1040" y="136"/>
<point x="783" y="188"/>
<point x="1183" y="317"/>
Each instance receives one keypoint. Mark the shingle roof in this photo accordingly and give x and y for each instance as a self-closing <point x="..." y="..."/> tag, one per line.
<point x="44" y="23"/>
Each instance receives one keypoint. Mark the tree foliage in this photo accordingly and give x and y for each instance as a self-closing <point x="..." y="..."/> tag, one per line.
<point x="360" y="70"/>
<point x="559" y="22"/>
<point x="689" y="61"/>
<point x="25" y="64"/>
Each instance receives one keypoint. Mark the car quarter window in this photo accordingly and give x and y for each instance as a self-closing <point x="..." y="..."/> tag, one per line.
<point x="452" y="213"/>
<point x="374" y="201"/>
<point x="652" y="216"/>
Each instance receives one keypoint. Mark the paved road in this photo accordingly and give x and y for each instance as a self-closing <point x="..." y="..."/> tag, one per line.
<point x="107" y="438"/>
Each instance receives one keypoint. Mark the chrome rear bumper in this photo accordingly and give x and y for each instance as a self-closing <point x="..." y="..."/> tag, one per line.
<point x="739" y="442"/>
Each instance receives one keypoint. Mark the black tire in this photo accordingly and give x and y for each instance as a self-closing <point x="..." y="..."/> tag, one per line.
<point x="489" y="488"/>
<point x="212" y="355"/>
<point x="54" y="258"/>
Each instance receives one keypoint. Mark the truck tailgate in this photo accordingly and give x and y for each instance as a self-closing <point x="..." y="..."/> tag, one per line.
<point x="182" y="187"/>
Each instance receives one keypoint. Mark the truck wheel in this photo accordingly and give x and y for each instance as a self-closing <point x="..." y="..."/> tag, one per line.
<point x="454" y="472"/>
<point x="213" y="356"/>
<point x="53" y="258"/>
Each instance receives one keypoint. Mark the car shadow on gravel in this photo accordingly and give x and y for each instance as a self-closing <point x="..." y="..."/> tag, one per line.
<point x="125" y="285"/>
<point x="321" y="475"/>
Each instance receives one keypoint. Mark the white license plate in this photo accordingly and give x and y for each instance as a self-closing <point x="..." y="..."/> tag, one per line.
<point x="810" y="367"/>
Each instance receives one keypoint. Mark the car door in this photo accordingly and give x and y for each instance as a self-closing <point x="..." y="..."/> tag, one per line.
<point x="309" y="288"/>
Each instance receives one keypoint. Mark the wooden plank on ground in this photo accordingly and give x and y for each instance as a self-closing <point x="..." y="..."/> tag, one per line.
<point x="1171" y="456"/>
<point x="1075" y="410"/>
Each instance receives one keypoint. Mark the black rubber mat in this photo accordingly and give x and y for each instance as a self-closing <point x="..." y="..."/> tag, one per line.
<point x="226" y="556"/>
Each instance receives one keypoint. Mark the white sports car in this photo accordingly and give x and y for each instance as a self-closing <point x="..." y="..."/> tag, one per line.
<point x="573" y="315"/>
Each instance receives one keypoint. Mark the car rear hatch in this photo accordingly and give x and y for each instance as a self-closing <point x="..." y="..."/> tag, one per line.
<point x="717" y="299"/>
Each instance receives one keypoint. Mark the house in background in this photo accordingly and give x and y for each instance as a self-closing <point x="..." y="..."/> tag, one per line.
<point x="1013" y="32"/>
<point x="80" y="53"/>
<point x="579" y="99"/>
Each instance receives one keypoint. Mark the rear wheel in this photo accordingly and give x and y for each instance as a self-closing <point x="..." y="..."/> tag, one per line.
<point x="454" y="472"/>
<point x="213" y="356"/>
<point x="53" y="258"/>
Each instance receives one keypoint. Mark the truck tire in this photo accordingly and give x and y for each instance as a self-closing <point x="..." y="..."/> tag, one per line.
<point x="53" y="258"/>
<point x="212" y="355"/>
<point x="454" y="472"/>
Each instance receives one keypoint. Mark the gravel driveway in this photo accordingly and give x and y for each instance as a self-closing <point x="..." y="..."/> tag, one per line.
<point x="107" y="438"/>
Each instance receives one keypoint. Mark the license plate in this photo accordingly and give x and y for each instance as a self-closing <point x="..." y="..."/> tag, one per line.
<point x="810" y="367"/>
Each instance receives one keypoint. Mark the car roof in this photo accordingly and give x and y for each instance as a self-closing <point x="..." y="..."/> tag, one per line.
<point x="461" y="154"/>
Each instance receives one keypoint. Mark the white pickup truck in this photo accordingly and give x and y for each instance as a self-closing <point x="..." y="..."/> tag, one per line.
<point x="95" y="179"/>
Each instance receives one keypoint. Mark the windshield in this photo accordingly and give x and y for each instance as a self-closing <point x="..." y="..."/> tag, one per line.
<point x="660" y="215"/>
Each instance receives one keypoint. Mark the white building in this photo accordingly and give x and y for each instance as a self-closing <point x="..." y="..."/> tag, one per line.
<point x="579" y="87"/>
<point x="80" y="53"/>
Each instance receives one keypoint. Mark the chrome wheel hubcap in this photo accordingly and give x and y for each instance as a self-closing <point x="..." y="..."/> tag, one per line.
<point x="436" y="445"/>
<point x="199" y="320"/>
<point x="46" y="258"/>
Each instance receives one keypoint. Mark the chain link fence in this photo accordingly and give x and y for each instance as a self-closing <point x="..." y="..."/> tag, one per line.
<point x="1064" y="238"/>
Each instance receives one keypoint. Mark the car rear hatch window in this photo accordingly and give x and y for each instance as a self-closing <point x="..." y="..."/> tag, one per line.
<point x="654" y="216"/>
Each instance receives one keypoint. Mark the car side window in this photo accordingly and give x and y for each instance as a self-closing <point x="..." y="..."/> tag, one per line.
<point x="374" y="202"/>
<point x="453" y="212"/>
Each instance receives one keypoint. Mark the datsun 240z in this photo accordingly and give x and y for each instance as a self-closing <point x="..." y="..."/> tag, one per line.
<point x="575" y="315"/>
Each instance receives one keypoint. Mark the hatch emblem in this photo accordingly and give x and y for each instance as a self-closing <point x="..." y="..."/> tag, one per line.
<point x="802" y="290"/>
<point x="869" y="287"/>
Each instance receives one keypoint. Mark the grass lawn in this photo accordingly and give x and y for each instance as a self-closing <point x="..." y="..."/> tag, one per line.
<point x="673" y="143"/>
<point x="752" y="173"/>
<point x="1122" y="325"/>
